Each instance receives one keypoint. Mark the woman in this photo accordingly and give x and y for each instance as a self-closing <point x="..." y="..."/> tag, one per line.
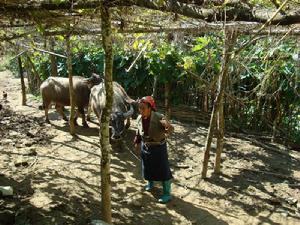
<point x="151" y="140"/>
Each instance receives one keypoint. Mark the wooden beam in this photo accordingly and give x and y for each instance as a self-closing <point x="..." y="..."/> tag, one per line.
<point x="17" y="25"/>
<point x="235" y="10"/>
<point x="202" y="29"/>
<point x="42" y="50"/>
<point x="21" y="53"/>
<point x="16" y="36"/>
<point x="66" y="5"/>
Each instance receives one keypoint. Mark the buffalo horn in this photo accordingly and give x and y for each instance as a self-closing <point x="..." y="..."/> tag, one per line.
<point x="129" y="113"/>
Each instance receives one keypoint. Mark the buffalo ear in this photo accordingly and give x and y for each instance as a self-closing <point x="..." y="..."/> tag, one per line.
<point x="94" y="79"/>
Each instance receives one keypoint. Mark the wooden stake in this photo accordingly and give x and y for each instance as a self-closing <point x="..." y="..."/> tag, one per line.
<point x="105" y="118"/>
<point x="154" y="88"/>
<point x="230" y="37"/>
<point x="53" y="59"/>
<point x="167" y="99"/>
<point x="22" y="81"/>
<point x="71" y="90"/>
<point x="220" y="136"/>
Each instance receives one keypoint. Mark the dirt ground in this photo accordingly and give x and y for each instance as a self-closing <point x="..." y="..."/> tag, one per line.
<point x="56" y="177"/>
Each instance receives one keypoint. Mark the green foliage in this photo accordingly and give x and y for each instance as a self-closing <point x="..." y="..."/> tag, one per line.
<point x="261" y="75"/>
<point x="13" y="66"/>
<point x="165" y="62"/>
<point x="4" y="64"/>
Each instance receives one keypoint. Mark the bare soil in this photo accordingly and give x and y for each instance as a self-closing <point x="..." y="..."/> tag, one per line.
<point x="56" y="176"/>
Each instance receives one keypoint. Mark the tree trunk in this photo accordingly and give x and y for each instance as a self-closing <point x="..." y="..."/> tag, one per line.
<point x="53" y="59"/>
<point x="229" y="36"/>
<point x="22" y="81"/>
<point x="71" y="90"/>
<point x="154" y="88"/>
<point x="167" y="100"/>
<point x="105" y="118"/>
<point x="29" y="76"/>
<point x="35" y="79"/>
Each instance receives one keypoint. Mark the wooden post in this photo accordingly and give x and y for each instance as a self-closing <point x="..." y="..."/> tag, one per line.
<point x="105" y="118"/>
<point x="205" y="101"/>
<point x="220" y="135"/>
<point x="53" y="59"/>
<point x="71" y="90"/>
<point x="167" y="99"/>
<point x="22" y="81"/>
<point x="230" y="37"/>
<point x="154" y="88"/>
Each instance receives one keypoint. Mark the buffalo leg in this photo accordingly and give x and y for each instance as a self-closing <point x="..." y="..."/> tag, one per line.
<point x="46" y="112"/>
<point x="81" y="111"/>
<point x="59" y="109"/>
<point x="89" y="110"/>
<point x="75" y="118"/>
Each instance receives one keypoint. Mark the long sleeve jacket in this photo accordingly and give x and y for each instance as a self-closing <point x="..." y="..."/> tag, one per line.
<point x="156" y="131"/>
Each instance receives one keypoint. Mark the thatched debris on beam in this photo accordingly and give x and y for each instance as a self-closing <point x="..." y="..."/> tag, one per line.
<point x="235" y="10"/>
<point x="67" y="5"/>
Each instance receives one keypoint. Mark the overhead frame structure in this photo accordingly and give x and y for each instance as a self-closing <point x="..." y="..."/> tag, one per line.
<point x="189" y="16"/>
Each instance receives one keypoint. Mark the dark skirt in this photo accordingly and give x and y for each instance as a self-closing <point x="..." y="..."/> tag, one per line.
<point x="155" y="163"/>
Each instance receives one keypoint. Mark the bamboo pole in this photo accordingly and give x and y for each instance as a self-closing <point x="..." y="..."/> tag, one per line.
<point x="71" y="90"/>
<point x="105" y="118"/>
<point x="229" y="42"/>
<point x="201" y="29"/>
<point x="167" y="99"/>
<point x="154" y="88"/>
<point x="137" y="58"/>
<point x="22" y="81"/>
<point x="43" y="50"/>
<point x="53" y="59"/>
<point x="220" y="135"/>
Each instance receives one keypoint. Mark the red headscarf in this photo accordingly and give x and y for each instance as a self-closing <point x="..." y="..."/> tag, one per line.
<point x="150" y="101"/>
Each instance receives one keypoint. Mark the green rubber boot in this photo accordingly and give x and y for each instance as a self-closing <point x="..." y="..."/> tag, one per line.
<point x="166" y="197"/>
<point x="149" y="186"/>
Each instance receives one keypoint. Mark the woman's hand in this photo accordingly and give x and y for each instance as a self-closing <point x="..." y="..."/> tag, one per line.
<point x="137" y="148"/>
<point x="166" y="124"/>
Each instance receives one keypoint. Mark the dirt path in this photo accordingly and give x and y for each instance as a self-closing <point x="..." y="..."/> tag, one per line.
<point x="56" y="177"/>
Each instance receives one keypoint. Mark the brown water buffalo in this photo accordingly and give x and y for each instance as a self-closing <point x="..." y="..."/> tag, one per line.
<point x="123" y="107"/>
<point x="56" y="90"/>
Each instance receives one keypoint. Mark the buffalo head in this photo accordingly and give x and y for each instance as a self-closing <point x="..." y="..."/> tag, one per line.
<point x="117" y="122"/>
<point x="93" y="80"/>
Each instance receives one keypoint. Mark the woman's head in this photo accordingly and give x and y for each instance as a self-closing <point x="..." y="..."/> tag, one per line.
<point x="146" y="105"/>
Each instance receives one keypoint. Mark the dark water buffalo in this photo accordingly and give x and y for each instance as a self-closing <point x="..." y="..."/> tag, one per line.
<point x="56" y="90"/>
<point x="123" y="107"/>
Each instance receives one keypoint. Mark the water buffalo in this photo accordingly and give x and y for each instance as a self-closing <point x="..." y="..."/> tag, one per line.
<point x="56" y="90"/>
<point x="123" y="107"/>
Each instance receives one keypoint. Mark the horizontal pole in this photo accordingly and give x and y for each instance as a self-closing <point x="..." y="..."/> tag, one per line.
<point x="242" y="28"/>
